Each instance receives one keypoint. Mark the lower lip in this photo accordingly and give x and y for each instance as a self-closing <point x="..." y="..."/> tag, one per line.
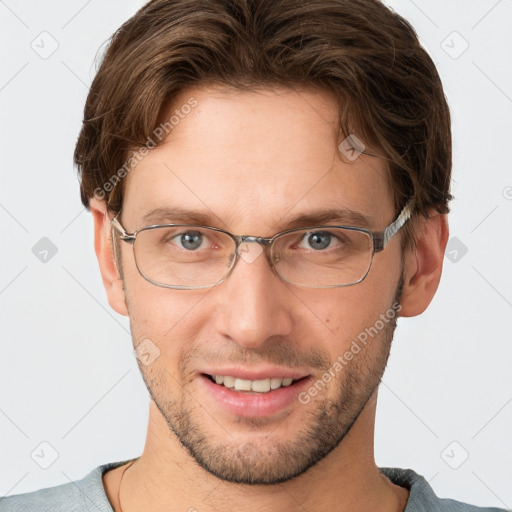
<point x="254" y="405"/>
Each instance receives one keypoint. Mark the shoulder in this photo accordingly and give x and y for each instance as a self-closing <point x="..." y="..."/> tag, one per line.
<point x="78" y="496"/>
<point x="422" y="497"/>
<point x="57" y="499"/>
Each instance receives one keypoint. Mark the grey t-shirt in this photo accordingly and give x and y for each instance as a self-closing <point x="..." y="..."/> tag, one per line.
<point x="88" y="495"/>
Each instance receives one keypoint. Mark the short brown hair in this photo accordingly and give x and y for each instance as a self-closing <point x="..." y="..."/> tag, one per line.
<point x="389" y="91"/>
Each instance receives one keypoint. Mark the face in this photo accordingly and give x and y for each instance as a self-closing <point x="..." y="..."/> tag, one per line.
<point x="253" y="161"/>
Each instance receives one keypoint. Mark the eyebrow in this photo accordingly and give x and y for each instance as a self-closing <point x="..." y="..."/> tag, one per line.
<point x="338" y="216"/>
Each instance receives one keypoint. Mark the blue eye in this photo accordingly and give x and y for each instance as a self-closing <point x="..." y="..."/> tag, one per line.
<point x="319" y="240"/>
<point x="190" y="240"/>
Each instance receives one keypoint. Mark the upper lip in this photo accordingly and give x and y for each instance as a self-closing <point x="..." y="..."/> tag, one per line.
<point x="260" y="373"/>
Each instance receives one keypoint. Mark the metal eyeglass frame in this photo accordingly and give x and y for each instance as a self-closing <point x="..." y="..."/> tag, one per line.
<point x="379" y="241"/>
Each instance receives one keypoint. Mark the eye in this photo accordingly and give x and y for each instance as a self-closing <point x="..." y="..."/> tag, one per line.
<point x="190" y="240"/>
<point x="319" y="240"/>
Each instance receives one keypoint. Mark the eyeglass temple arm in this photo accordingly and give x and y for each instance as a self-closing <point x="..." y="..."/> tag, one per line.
<point x="123" y="235"/>
<point x="381" y="238"/>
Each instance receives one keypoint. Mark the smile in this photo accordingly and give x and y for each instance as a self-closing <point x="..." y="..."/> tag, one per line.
<point x="256" y="386"/>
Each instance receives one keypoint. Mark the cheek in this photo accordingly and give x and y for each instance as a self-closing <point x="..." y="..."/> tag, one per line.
<point x="350" y="317"/>
<point x="153" y="310"/>
<point x="169" y="318"/>
<point x="348" y="312"/>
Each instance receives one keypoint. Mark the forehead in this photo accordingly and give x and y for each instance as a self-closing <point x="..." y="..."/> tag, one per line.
<point x="254" y="157"/>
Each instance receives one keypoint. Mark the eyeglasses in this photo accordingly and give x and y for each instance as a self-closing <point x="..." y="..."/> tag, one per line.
<point x="191" y="257"/>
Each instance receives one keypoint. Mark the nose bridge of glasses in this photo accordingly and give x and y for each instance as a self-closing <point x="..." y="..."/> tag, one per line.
<point x="247" y="248"/>
<point x="258" y="239"/>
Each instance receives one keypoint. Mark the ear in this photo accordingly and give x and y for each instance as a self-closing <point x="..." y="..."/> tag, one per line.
<point x="424" y="263"/>
<point x="104" y="252"/>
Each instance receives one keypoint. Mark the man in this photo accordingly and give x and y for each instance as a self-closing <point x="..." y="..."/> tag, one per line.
<point x="269" y="184"/>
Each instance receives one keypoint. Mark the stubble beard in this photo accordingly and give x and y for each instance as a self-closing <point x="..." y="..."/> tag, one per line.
<point x="270" y="460"/>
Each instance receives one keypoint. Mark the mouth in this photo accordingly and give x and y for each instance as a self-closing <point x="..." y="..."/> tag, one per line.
<point x="260" y="386"/>
<point x="263" y="392"/>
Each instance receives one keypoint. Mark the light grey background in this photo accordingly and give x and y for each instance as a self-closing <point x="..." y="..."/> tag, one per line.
<point x="68" y="373"/>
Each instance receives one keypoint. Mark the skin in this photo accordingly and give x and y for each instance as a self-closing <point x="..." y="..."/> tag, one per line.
<point x="255" y="159"/>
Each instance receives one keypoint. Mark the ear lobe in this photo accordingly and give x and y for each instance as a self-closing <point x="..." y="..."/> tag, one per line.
<point x="424" y="263"/>
<point x="111" y="278"/>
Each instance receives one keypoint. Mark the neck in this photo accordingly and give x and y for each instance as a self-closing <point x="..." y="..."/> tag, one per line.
<point x="347" y="479"/>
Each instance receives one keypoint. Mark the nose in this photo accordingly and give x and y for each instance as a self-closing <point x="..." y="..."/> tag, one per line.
<point x="254" y="304"/>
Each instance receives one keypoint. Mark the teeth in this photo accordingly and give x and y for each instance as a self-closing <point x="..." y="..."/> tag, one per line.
<point x="242" y="385"/>
<point x="261" y="386"/>
<point x="229" y="382"/>
<point x="275" y="383"/>
<point x="257" y="386"/>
